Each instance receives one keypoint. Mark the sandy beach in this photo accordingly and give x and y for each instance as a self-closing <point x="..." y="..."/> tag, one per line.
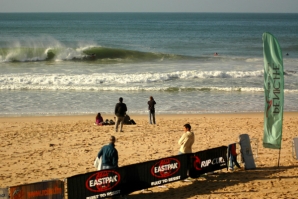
<point x="42" y="148"/>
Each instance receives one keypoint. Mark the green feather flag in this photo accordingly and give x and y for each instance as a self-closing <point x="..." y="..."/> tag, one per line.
<point x="274" y="92"/>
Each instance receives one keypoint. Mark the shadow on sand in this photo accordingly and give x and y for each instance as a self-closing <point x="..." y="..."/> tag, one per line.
<point x="207" y="184"/>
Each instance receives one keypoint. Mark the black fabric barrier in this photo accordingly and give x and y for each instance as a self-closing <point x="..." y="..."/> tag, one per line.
<point x="127" y="179"/>
<point x="209" y="160"/>
<point x="130" y="178"/>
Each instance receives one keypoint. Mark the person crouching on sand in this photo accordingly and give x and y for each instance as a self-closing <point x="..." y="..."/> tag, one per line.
<point x="99" y="120"/>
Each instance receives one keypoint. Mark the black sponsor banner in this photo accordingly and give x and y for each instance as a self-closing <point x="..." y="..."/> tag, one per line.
<point x="127" y="179"/>
<point x="208" y="160"/>
<point x="53" y="189"/>
<point x="98" y="184"/>
<point x="165" y="170"/>
<point x="130" y="178"/>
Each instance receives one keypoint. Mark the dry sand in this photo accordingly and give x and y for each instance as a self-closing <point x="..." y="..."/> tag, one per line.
<point x="43" y="148"/>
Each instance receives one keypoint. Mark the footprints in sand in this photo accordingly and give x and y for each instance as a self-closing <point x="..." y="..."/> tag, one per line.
<point x="34" y="151"/>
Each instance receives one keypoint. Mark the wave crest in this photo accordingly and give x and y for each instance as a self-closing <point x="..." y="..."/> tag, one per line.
<point x="49" y="49"/>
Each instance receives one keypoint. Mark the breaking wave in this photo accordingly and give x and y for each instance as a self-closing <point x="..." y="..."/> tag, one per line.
<point x="52" y="50"/>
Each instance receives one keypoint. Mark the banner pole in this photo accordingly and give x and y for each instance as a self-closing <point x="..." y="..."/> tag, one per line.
<point x="278" y="158"/>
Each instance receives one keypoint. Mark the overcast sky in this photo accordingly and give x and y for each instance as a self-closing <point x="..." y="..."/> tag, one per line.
<point x="260" y="6"/>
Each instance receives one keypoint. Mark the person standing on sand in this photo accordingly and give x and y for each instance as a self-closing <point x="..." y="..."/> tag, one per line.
<point x="151" y="109"/>
<point x="233" y="157"/>
<point x="186" y="141"/>
<point x="109" y="155"/>
<point x="120" y="112"/>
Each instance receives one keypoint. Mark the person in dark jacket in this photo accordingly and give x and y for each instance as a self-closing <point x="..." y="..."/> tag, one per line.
<point x="120" y="112"/>
<point x="109" y="155"/>
<point x="151" y="109"/>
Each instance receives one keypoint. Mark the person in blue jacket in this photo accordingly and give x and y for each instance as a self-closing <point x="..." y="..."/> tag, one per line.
<point x="109" y="155"/>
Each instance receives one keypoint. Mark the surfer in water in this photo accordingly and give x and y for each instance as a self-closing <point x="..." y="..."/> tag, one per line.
<point x="92" y="56"/>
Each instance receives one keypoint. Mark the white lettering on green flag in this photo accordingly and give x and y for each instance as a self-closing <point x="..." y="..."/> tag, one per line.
<point x="274" y="92"/>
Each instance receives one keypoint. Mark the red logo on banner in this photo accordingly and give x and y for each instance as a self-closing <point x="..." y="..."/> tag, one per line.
<point x="103" y="181"/>
<point x="16" y="193"/>
<point x="197" y="163"/>
<point x="165" y="168"/>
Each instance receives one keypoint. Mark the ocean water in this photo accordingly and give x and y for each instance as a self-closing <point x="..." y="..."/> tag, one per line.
<point x="81" y="63"/>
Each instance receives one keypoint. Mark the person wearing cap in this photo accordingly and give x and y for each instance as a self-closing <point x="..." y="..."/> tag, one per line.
<point x="109" y="155"/>
<point x="120" y="112"/>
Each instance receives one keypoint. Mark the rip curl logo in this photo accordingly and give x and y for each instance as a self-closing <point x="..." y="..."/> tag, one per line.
<point x="165" y="168"/>
<point x="197" y="163"/>
<point x="103" y="181"/>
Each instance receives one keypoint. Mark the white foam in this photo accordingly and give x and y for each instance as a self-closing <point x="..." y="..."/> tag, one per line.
<point x="112" y="78"/>
<point x="254" y="60"/>
<point x="128" y="82"/>
<point x="69" y="87"/>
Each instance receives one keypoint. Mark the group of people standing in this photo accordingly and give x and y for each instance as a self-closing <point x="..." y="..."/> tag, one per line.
<point x="121" y="117"/>
<point x="109" y="154"/>
<point x="121" y="108"/>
